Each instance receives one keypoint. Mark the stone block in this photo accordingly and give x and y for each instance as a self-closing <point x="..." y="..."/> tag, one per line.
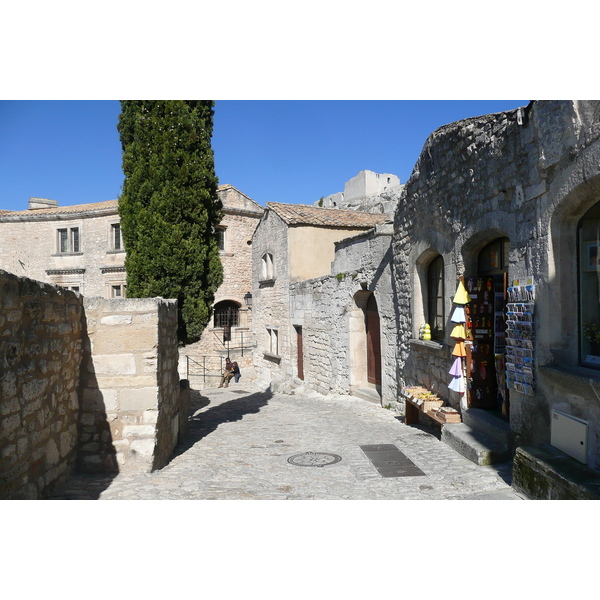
<point x="138" y="399"/>
<point x="138" y="431"/>
<point x="143" y="447"/>
<point x="114" y="364"/>
<point x="116" y="320"/>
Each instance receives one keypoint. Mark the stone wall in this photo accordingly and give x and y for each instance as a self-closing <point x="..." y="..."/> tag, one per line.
<point x="40" y="355"/>
<point x="330" y="311"/>
<point x="130" y="412"/>
<point x="527" y="175"/>
<point x="271" y="299"/>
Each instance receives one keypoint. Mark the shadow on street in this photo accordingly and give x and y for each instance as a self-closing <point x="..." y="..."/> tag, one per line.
<point x="204" y="422"/>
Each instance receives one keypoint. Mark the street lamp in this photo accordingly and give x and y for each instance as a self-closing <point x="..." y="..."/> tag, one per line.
<point x="248" y="300"/>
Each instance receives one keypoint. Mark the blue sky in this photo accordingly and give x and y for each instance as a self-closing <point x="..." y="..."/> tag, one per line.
<point x="273" y="151"/>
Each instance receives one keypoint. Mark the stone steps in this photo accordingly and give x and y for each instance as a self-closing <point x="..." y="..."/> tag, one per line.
<point x="475" y="445"/>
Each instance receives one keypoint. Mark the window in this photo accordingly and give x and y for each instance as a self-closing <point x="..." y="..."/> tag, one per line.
<point x="226" y="314"/>
<point x="221" y="236"/>
<point x="116" y="239"/>
<point x="273" y="341"/>
<point x="435" y="298"/>
<point x="68" y="240"/>
<point x="589" y="287"/>
<point x="268" y="271"/>
<point x="117" y="291"/>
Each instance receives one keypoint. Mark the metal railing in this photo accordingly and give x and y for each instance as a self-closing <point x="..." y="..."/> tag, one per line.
<point x="234" y="341"/>
<point x="205" y="366"/>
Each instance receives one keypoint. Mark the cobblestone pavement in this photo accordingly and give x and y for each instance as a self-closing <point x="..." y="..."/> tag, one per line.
<point x="240" y="441"/>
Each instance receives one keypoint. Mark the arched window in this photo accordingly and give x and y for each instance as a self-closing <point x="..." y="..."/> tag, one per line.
<point x="435" y="297"/>
<point x="226" y="314"/>
<point x="589" y="287"/>
<point x="268" y="271"/>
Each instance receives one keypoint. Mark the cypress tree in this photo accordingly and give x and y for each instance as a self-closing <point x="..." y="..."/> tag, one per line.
<point x="169" y="207"/>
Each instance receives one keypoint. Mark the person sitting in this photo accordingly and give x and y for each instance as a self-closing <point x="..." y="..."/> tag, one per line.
<point x="227" y="374"/>
<point x="236" y="372"/>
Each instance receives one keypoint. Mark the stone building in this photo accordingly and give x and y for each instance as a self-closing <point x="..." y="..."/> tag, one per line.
<point x="292" y="244"/>
<point x="510" y="203"/>
<point x="229" y="332"/>
<point x="78" y="247"/>
<point x="81" y="248"/>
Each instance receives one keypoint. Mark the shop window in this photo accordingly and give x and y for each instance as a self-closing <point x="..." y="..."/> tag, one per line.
<point x="435" y="298"/>
<point x="589" y="287"/>
<point x="268" y="270"/>
<point x="68" y="241"/>
<point x="226" y="314"/>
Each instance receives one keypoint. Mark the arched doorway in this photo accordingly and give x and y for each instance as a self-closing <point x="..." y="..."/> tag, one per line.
<point x="486" y="322"/>
<point x="365" y="342"/>
<point x="373" y="333"/>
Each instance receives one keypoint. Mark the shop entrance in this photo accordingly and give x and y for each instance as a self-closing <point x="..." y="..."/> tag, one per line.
<point x="486" y="383"/>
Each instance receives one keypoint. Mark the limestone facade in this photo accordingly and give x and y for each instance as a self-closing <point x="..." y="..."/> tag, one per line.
<point x="77" y="247"/>
<point x="241" y="216"/>
<point x="521" y="181"/>
<point x="292" y="244"/>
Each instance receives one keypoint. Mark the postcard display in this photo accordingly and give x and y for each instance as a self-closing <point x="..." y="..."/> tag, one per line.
<point x="520" y="336"/>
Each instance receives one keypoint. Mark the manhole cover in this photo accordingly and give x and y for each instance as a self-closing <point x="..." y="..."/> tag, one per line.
<point x="314" y="459"/>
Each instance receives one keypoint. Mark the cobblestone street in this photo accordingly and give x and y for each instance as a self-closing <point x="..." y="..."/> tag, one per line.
<point x="240" y="442"/>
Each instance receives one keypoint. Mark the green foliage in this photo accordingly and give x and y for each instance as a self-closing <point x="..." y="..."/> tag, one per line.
<point x="169" y="207"/>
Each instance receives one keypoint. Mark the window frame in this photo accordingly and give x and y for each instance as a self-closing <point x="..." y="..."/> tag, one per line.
<point x="436" y="273"/>
<point x="71" y="240"/>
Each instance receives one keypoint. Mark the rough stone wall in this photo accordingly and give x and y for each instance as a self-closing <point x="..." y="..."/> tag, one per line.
<point x="28" y="248"/>
<point x="271" y="299"/>
<point x="40" y="356"/>
<point x="322" y="307"/>
<point x="529" y="175"/>
<point x="130" y="414"/>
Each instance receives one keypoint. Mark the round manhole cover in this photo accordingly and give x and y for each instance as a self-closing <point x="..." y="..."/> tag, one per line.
<point x="314" y="459"/>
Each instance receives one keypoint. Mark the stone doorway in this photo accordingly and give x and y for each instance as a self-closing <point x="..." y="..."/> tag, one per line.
<point x="365" y="345"/>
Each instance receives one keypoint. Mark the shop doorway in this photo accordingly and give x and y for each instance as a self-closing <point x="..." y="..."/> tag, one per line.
<point x="486" y="381"/>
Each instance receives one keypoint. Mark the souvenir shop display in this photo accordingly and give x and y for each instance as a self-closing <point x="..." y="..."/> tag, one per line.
<point x="485" y="328"/>
<point x="520" y="340"/>
<point x="459" y="333"/>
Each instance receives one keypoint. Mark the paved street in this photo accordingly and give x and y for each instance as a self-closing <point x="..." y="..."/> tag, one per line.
<point x="240" y="442"/>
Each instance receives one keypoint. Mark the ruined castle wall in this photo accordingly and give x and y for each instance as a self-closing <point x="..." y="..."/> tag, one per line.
<point x="527" y="175"/>
<point x="40" y="356"/>
<point x="131" y="413"/>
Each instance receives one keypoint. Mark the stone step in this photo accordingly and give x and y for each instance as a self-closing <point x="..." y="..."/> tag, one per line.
<point x="474" y="444"/>
<point x="369" y="394"/>
<point x="490" y="425"/>
<point x="546" y="473"/>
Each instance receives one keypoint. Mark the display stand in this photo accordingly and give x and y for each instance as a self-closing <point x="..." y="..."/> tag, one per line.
<point x="520" y="337"/>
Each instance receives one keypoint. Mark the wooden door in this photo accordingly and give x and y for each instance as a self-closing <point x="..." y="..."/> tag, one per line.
<point x="300" y="346"/>
<point x="373" y="342"/>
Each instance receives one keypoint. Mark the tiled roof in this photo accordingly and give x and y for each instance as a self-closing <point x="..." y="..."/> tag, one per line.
<point x="302" y="214"/>
<point x="59" y="210"/>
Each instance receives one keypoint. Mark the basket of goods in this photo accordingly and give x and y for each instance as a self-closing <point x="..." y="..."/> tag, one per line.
<point x="448" y="414"/>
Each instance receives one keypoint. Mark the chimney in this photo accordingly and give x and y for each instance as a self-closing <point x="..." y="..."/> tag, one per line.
<point x="37" y="203"/>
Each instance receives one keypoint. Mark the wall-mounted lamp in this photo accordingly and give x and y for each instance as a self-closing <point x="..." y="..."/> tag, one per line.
<point x="248" y="299"/>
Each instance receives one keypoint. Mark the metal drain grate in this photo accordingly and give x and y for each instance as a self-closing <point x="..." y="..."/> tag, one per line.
<point x="314" y="459"/>
<point x="390" y="462"/>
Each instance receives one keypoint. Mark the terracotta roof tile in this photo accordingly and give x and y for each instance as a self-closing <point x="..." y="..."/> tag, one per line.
<point x="303" y="214"/>
<point x="59" y="210"/>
